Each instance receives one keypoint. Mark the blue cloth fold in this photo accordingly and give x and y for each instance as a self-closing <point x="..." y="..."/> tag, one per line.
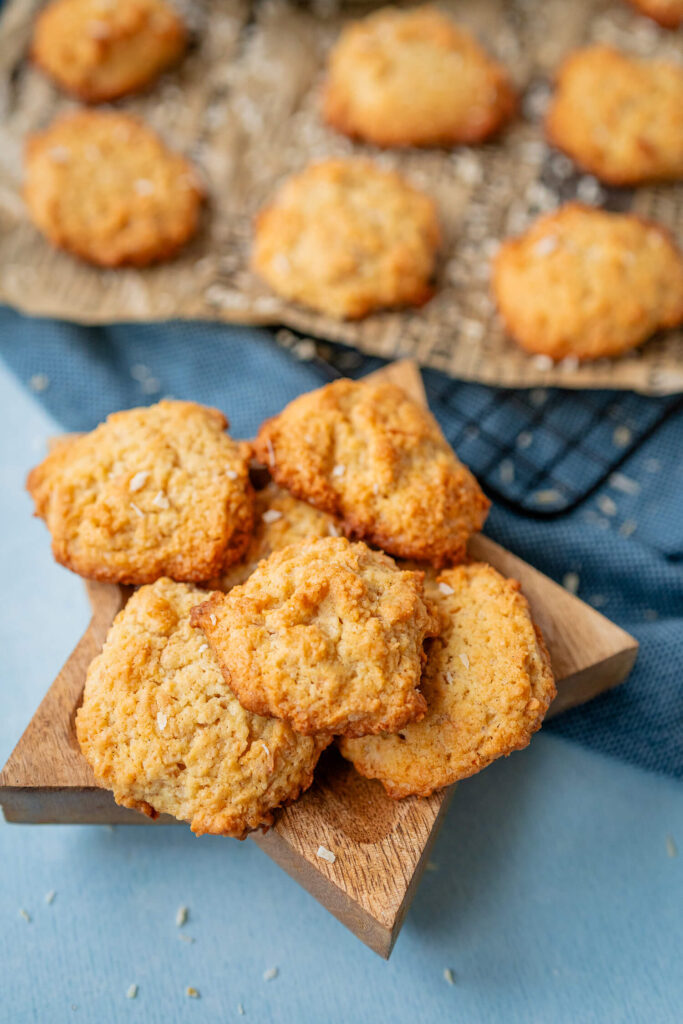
<point x="623" y="553"/>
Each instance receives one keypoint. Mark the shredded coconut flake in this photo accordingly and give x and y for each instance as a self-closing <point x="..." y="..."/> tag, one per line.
<point x="332" y="530"/>
<point x="181" y="913"/>
<point x="449" y="976"/>
<point x="144" y="187"/>
<point x="59" y="154"/>
<point x="606" y="505"/>
<point x="271" y="973"/>
<point x="186" y="938"/>
<point x="623" y="483"/>
<point x="542" y="362"/>
<point x="240" y="1009"/>
<point x="160" y="500"/>
<point x="339" y="470"/>
<point x="445" y="588"/>
<point x="628" y="527"/>
<point x="671" y="847"/>
<point x="622" y="437"/>
<point x="39" y="382"/>
<point x="271" y="453"/>
<point x="326" y="854"/>
<point x="524" y="439"/>
<point x="161" y="720"/>
<point x="138" y="481"/>
<point x="544" y="246"/>
<point x="547" y="497"/>
<point x="50" y="896"/>
<point x="212" y="619"/>
<point x="465" y="660"/>
<point x="231" y="474"/>
<point x="25" y="914"/>
<point x="203" y="647"/>
<point x="507" y="471"/>
<point x="271" y="515"/>
<point x="570" y="582"/>
<point x="131" y="991"/>
<point x="138" y="511"/>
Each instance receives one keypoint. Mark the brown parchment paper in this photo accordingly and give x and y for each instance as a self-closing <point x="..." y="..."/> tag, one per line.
<point x="244" y="105"/>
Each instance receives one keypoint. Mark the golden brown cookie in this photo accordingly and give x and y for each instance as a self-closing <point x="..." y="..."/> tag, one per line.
<point x="102" y="49"/>
<point x="585" y="283"/>
<point x="487" y="682"/>
<point x="160" y="728"/>
<point x="371" y="456"/>
<point x="669" y="13"/>
<point x="279" y="520"/>
<point x="414" y="78"/>
<point x="347" y="238"/>
<point x="326" y="635"/>
<point x="105" y="187"/>
<point x="619" y="117"/>
<point x="156" y="491"/>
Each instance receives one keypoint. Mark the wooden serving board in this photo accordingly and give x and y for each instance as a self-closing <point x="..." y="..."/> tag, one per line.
<point x="381" y="845"/>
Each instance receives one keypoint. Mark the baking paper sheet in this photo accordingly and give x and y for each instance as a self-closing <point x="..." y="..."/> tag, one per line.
<point x="244" y="104"/>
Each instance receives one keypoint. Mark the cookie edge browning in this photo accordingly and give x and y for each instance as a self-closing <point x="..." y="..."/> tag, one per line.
<point x="623" y="180"/>
<point x="154" y="252"/>
<point x="38" y="485"/>
<point x="610" y="351"/>
<point x="335" y="110"/>
<point x="325" y="498"/>
<point x="234" y="826"/>
<point x="93" y="97"/>
<point x="401" y="792"/>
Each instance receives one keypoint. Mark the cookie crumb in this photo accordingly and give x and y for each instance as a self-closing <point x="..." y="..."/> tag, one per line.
<point x="622" y="436"/>
<point x="131" y="992"/>
<point x="606" y="505"/>
<point x="623" y="483"/>
<point x="671" y="847"/>
<point x="50" y="896"/>
<point x="326" y="854"/>
<point x="191" y="992"/>
<point x="628" y="527"/>
<point x="547" y="497"/>
<point x="507" y="471"/>
<point x="449" y="976"/>
<point x="271" y="973"/>
<point x="524" y="439"/>
<point x="182" y="912"/>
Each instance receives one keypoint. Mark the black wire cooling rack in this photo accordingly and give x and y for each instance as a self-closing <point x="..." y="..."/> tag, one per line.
<point x="538" y="451"/>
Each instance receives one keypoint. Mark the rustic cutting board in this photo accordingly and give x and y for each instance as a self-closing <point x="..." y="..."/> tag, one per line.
<point x="381" y="845"/>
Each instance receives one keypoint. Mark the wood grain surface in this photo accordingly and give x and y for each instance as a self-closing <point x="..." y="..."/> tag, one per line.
<point x="380" y="845"/>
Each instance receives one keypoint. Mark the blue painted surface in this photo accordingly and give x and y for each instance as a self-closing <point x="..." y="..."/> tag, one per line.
<point x="554" y="896"/>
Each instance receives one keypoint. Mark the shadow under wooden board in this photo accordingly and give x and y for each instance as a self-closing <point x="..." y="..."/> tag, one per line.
<point x="381" y="845"/>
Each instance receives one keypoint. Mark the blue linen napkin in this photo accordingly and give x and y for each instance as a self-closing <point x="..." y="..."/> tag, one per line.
<point x="623" y="555"/>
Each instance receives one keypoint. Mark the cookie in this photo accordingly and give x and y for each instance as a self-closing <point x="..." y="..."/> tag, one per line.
<point x="668" y="13"/>
<point x="619" y="117"/>
<point x="374" y="458"/>
<point x="157" y="491"/>
<point x="414" y="78"/>
<point x="346" y="238"/>
<point x="582" y="282"/>
<point x="99" y="50"/>
<point x="279" y="520"/>
<point x="488" y="684"/>
<point x="103" y="186"/>
<point x="326" y="635"/>
<point x="161" y="729"/>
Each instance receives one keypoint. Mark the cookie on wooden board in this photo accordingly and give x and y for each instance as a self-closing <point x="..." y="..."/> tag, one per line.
<point x="487" y="682"/>
<point x="103" y="185"/>
<point x="346" y="238"/>
<point x="160" y="727"/>
<point x="414" y="78"/>
<point x="155" y="491"/>
<point x="370" y="455"/>
<point x="102" y="49"/>
<point x="586" y="283"/>
<point x="619" y="117"/>
<point x="280" y="519"/>
<point x="327" y="635"/>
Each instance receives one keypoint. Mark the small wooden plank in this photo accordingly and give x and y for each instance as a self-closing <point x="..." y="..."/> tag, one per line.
<point x="380" y="845"/>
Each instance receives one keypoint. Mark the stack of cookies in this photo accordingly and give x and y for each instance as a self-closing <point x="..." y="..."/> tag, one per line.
<point x="335" y="602"/>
